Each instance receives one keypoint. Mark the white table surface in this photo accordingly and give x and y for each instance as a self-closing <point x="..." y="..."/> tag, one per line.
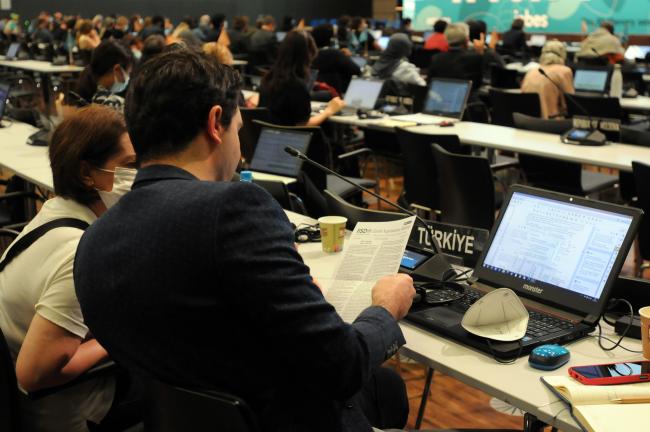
<point x="39" y="66"/>
<point x="517" y="384"/>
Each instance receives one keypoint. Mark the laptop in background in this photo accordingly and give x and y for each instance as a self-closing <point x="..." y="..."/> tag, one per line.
<point x="280" y="36"/>
<point x="383" y="42"/>
<point x="591" y="81"/>
<point x="360" y="61"/>
<point x="537" y="40"/>
<point x="12" y="51"/>
<point x="269" y="156"/>
<point x="560" y="254"/>
<point x="634" y="52"/>
<point x="4" y="95"/>
<point x="445" y="102"/>
<point x="362" y="94"/>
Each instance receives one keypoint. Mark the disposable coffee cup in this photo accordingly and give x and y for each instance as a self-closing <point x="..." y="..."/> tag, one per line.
<point x="645" y="330"/>
<point x="332" y="233"/>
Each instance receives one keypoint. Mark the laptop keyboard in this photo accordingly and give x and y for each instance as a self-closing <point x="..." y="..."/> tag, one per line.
<point x="540" y="324"/>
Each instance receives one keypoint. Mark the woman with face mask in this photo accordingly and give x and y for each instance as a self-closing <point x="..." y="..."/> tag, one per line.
<point x="107" y="76"/>
<point x="39" y="312"/>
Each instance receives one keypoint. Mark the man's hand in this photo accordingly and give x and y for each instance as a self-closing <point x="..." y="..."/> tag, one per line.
<point x="395" y="294"/>
<point x="479" y="44"/>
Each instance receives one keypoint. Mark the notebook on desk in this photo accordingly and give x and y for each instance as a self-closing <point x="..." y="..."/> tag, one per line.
<point x="445" y="102"/>
<point x="269" y="156"/>
<point x="560" y="254"/>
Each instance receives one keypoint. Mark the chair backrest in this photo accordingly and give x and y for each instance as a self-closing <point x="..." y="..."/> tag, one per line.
<point x="337" y="206"/>
<point x="278" y="190"/>
<point x="420" y="173"/>
<point x="642" y="179"/>
<point x="597" y="106"/>
<point x="9" y="410"/>
<point x="549" y="173"/>
<point x="421" y="57"/>
<point x="501" y="77"/>
<point x="249" y="134"/>
<point x="635" y="136"/>
<point x="466" y="189"/>
<point x="504" y="104"/>
<point x="170" y="408"/>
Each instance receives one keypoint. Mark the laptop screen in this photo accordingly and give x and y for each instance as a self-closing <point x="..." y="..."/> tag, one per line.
<point x="270" y="157"/>
<point x="591" y="80"/>
<point x="12" y="51"/>
<point x="383" y="42"/>
<point x="447" y="97"/>
<point x="537" y="40"/>
<point x="360" y="61"/>
<point x="634" y="52"/>
<point x="4" y="94"/>
<point x="280" y="36"/>
<point x="558" y="248"/>
<point x="363" y="93"/>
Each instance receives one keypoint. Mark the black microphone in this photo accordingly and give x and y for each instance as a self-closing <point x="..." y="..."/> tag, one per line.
<point x="596" y="137"/>
<point x="437" y="267"/>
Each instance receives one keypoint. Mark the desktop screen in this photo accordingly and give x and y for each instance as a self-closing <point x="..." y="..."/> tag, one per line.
<point x="591" y="80"/>
<point x="447" y="98"/>
<point x="567" y="245"/>
<point x="4" y="94"/>
<point x="363" y="93"/>
<point x="270" y="157"/>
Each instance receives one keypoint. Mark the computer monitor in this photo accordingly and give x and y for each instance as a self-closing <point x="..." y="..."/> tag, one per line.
<point x="363" y="93"/>
<point x="634" y="52"/>
<point x="280" y="36"/>
<point x="591" y="80"/>
<point x="360" y="61"/>
<point x="537" y="40"/>
<point x="270" y="157"/>
<point x="376" y="34"/>
<point x="4" y="95"/>
<point x="426" y="35"/>
<point x="558" y="248"/>
<point x="383" y="42"/>
<point x="12" y="51"/>
<point x="447" y="97"/>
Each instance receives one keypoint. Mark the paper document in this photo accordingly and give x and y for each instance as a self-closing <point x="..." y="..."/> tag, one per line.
<point x="374" y="250"/>
<point x="498" y="315"/>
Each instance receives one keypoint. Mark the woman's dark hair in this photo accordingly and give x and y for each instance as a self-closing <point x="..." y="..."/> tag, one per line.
<point x="342" y="27"/>
<point x="103" y="59"/>
<point x="440" y="26"/>
<point x="92" y="135"/>
<point x="153" y="45"/>
<point x="356" y="22"/>
<point x="323" y="35"/>
<point x="170" y="97"/>
<point x="517" y="24"/>
<point x="240" y="23"/>
<point x="295" y="55"/>
<point x="85" y="27"/>
<point x="476" y="28"/>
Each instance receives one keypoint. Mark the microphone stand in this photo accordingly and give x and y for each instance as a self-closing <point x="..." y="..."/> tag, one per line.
<point x="437" y="266"/>
<point x="595" y="137"/>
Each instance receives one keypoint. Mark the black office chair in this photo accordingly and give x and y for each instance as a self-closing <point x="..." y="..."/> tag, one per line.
<point x="16" y="204"/>
<point x="336" y="206"/>
<point x="503" y="78"/>
<point x="557" y="175"/>
<point x="466" y="191"/>
<point x="421" y="57"/>
<point x="420" y="172"/>
<point x="170" y="408"/>
<point x="248" y="134"/>
<point x="596" y="106"/>
<point x="641" y="173"/>
<point x="505" y="104"/>
<point x="630" y="135"/>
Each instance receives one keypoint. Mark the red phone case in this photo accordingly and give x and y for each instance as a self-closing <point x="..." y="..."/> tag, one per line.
<point x="611" y="380"/>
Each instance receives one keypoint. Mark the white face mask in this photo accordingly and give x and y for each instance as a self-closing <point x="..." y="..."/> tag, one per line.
<point x="499" y="315"/>
<point x="123" y="179"/>
<point x="120" y="86"/>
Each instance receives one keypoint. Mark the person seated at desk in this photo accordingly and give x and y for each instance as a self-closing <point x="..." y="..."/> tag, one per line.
<point x="514" y="40"/>
<point x="40" y="315"/>
<point x="264" y="43"/>
<point x="239" y="35"/>
<point x="220" y="275"/>
<point x="107" y="75"/>
<point x="334" y="67"/>
<point x="459" y="62"/>
<point x="393" y="62"/>
<point x="477" y="36"/>
<point x="284" y="89"/>
<point x="602" y="44"/>
<point x="437" y="41"/>
<point x="359" y="39"/>
<point x="553" y="61"/>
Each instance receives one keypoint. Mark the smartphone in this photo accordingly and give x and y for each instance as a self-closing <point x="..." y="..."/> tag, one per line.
<point x="612" y="373"/>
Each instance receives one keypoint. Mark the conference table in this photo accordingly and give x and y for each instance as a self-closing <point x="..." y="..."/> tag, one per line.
<point x="517" y="384"/>
<point x="615" y="155"/>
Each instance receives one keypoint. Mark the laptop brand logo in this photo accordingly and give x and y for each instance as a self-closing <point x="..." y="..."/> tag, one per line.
<point x="534" y="289"/>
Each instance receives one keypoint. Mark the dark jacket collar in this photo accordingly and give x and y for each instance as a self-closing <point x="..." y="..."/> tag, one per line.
<point x="154" y="173"/>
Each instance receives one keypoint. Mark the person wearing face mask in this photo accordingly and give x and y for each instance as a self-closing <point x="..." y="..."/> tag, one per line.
<point x="40" y="315"/>
<point x="107" y="76"/>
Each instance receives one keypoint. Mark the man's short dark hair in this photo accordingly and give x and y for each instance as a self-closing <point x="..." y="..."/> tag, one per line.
<point x="158" y="21"/>
<point x="440" y="26"/>
<point x="323" y="35"/>
<point x="168" y="101"/>
<point x="608" y="25"/>
<point x="517" y="24"/>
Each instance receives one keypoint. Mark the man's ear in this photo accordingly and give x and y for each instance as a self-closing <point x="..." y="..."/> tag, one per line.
<point x="214" y="129"/>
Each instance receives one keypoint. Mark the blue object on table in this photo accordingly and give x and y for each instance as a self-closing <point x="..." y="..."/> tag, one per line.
<point x="549" y="357"/>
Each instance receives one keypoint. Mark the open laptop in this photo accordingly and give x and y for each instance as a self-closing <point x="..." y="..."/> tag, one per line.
<point x="560" y="254"/>
<point x="634" y="52"/>
<point x="445" y="102"/>
<point x="591" y="81"/>
<point x="537" y="40"/>
<point x="362" y="94"/>
<point x="269" y="156"/>
<point x="360" y="61"/>
<point x="4" y="95"/>
<point x="383" y="42"/>
<point x="280" y="36"/>
<point x="12" y="51"/>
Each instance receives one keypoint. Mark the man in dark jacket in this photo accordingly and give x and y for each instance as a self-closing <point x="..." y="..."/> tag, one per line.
<point x="459" y="62"/>
<point x="514" y="40"/>
<point x="334" y="67"/>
